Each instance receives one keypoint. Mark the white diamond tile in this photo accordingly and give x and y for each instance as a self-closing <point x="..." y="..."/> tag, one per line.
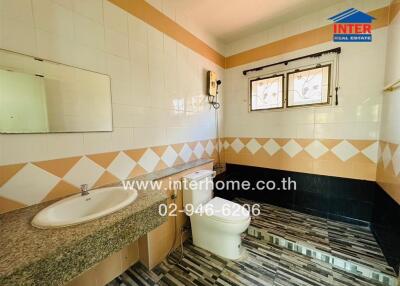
<point x="226" y="144"/>
<point x="30" y="185"/>
<point x="396" y="161"/>
<point x="185" y="153"/>
<point x="198" y="150"/>
<point x="253" y="146"/>
<point x="84" y="172"/>
<point x="386" y="156"/>
<point x="292" y="148"/>
<point x="371" y="152"/>
<point x="169" y="156"/>
<point x="149" y="160"/>
<point x="344" y="150"/>
<point x="237" y="145"/>
<point x="271" y="147"/>
<point x="209" y="148"/>
<point x="121" y="166"/>
<point x="380" y="151"/>
<point x="316" y="149"/>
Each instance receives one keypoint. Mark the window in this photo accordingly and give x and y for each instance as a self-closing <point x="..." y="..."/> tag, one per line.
<point x="266" y="93"/>
<point x="309" y="86"/>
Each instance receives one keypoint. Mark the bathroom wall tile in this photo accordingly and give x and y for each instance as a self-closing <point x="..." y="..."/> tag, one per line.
<point x="169" y="9"/>
<point x="350" y="159"/>
<point x="100" y="168"/>
<point x="65" y="3"/>
<point x="17" y="36"/>
<point x="97" y="142"/>
<point x="92" y="9"/>
<point x="17" y="10"/>
<point x="139" y="53"/>
<point x="88" y="32"/>
<point x="53" y="18"/>
<point x="149" y="160"/>
<point x="14" y="148"/>
<point x="372" y="152"/>
<point x="121" y="92"/>
<point x="7" y="205"/>
<point x="103" y="159"/>
<point x="8" y="171"/>
<point x="85" y="171"/>
<point x="122" y="115"/>
<point x="58" y="167"/>
<point x="118" y="68"/>
<point x="137" y="31"/>
<point x="64" y="145"/>
<point x="185" y="153"/>
<point x="82" y="34"/>
<point x="140" y="84"/>
<point x="54" y="47"/>
<point x="156" y="56"/>
<point x="116" y="43"/>
<point x="148" y="136"/>
<point x="122" y="138"/>
<point x="158" y="97"/>
<point x="90" y="59"/>
<point x="1" y="151"/>
<point x="29" y="186"/>
<point x="115" y="18"/>
<point x="155" y="38"/>
<point x="121" y="166"/>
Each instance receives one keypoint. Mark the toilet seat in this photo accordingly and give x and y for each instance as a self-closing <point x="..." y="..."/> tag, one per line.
<point x="234" y="213"/>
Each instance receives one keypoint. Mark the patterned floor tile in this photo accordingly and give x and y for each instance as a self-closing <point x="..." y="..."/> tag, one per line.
<point x="283" y="248"/>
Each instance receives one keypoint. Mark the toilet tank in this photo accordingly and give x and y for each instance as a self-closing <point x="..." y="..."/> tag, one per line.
<point x="197" y="187"/>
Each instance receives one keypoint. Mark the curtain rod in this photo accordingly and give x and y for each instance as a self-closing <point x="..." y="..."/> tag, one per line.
<point x="315" y="55"/>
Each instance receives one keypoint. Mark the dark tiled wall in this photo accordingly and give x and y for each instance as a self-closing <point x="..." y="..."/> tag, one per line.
<point x="385" y="225"/>
<point x="353" y="201"/>
<point x="331" y="197"/>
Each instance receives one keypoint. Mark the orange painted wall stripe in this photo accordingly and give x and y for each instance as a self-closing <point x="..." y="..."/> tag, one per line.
<point x="394" y="10"/>
<point x="147" y="13"/>
<point x="299" y="41"/>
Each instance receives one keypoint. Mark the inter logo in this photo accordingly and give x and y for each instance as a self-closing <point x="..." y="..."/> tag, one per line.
<point x="352" y="25"/>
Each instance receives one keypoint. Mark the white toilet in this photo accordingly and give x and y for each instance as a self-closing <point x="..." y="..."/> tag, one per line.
<point x="220" y="223"/>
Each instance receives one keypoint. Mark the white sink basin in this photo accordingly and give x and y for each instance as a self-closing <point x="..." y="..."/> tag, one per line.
<point x="78" y="209"/>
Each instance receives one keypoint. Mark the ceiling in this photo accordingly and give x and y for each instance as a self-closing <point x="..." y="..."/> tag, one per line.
<point x="230" y="20"/>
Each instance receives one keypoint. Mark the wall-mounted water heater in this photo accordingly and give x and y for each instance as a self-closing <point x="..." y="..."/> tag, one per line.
<point x="212" y="83"/>
<point x="212" y="89"/>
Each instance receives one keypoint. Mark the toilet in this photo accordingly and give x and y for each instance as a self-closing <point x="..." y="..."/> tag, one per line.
<point x="217" y="224"/>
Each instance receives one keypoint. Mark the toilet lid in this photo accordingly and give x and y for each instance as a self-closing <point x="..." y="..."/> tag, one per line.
<point x="233" y="211"/>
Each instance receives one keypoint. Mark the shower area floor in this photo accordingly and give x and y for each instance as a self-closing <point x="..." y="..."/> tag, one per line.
<point x="283" y="248"/>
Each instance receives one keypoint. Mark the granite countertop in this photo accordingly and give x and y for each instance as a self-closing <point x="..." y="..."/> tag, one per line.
<point x="31" y="256"/>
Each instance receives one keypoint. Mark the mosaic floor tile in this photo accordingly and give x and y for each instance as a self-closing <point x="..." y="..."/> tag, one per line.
<point x="283" y="248"/>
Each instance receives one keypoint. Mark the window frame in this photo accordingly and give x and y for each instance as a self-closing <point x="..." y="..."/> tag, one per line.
<point x="329" y="95"/>
<point x="263" y="78"/>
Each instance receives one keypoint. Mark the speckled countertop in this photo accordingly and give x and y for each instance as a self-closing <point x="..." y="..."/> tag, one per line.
<point x="31" y="256"/>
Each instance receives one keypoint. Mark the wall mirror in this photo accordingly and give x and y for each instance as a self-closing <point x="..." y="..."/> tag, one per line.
<point x="40" y="96"/>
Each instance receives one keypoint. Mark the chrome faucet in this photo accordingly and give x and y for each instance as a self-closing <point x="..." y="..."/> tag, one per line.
<point x="84" y="189"/>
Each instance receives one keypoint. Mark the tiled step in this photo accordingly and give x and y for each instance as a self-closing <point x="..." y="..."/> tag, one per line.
<point x="376" y="276"/>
